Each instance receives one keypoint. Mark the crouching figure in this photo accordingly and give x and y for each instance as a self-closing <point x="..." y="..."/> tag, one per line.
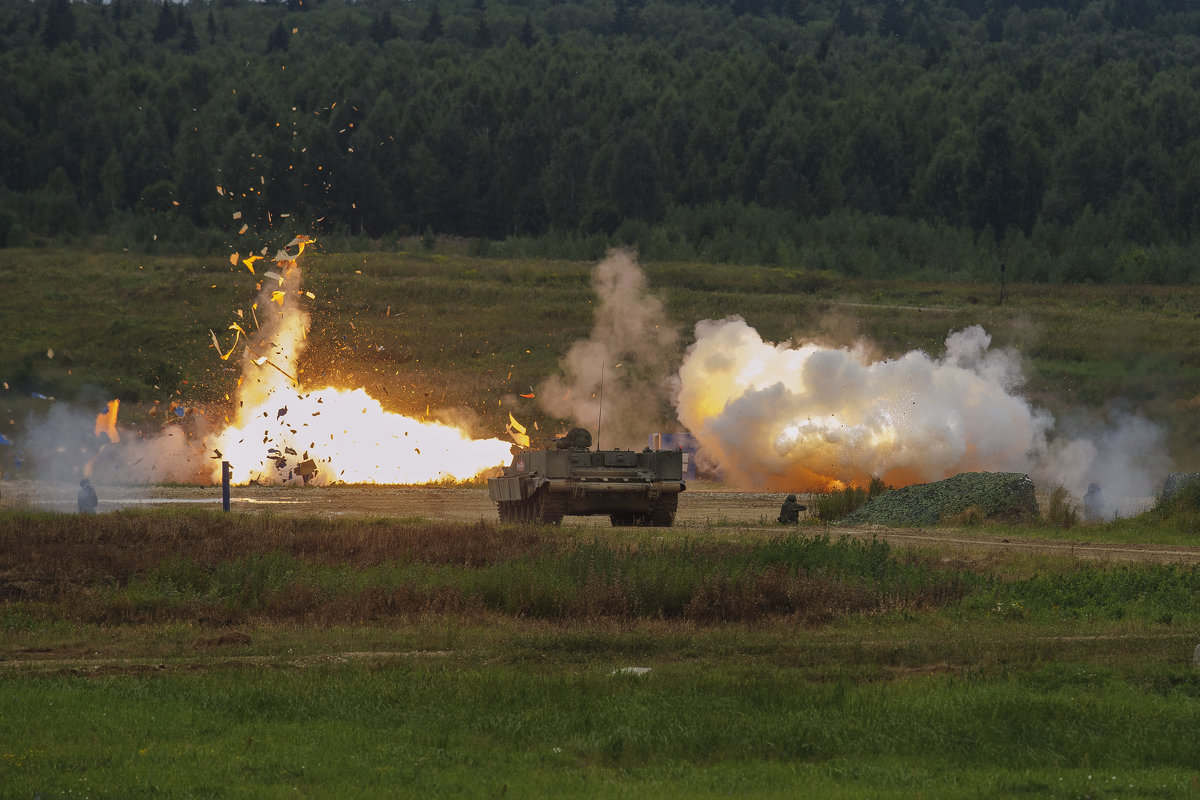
<point x="789" y="513"/>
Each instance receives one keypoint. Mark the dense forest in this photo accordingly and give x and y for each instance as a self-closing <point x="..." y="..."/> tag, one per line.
<point x="931" y="138"/>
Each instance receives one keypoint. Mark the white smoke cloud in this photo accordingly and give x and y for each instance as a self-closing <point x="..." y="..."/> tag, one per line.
<point x="802" y="417"/>
<point x="627" y="357"/>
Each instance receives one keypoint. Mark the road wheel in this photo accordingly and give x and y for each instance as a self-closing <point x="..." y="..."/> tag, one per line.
<point x="663" y="515"/>
<point x="550" y="507"/>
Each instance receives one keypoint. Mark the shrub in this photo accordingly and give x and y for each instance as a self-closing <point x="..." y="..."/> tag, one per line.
<point x="837" y="504"/>
<point x="1062" y="511"/>
<point x="1179" y="510"/>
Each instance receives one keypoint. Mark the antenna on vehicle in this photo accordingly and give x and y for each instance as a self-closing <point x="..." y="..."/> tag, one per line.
<point x="600" y="415"/>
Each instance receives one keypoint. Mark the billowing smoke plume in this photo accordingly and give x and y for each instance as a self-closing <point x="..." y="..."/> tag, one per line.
<point x="1120" y="451"/>
<point x="807" y="417"/>
<point x="626" y="358"/>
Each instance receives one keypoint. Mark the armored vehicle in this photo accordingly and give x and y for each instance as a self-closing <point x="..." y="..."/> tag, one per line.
<point x="632" y="488"/>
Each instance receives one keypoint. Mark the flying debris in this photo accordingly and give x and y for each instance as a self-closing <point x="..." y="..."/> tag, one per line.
<point x="516" y="431"/>
<point x="237" y="337"/>
<point x="306" y="470"/>
<point x="355" y="422"/>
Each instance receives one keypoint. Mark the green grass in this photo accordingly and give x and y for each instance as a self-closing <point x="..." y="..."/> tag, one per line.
<point x="155" y="566"/>
<point x="1154" y="593"/>
<point x="420" y="730"/>
<point x="190" y="654"/>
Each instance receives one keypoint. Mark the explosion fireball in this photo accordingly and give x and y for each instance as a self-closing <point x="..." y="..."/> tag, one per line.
<point x="808" y="417"/>
<point x="767" y="416"/>
<point x="811" y="418"/>
<point x="287" y="433"/>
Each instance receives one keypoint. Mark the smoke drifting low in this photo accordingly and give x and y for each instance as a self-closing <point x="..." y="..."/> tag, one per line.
<point x="627" y="358"/>
<point x="63" y="446"/>
<point x="807" y="417"/>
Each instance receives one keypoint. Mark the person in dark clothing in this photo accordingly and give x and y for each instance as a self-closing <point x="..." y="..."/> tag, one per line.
<point x="86" y="499"/>
<point x="1093" y="504"/>
<point x="789" y="513"/>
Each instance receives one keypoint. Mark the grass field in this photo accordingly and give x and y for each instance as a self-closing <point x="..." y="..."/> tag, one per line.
<point x="182" y="655"/>
<point x="424" y="330"/>
<point x="193" y="654"/>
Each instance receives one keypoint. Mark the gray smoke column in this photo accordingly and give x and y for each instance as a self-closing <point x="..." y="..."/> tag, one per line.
<point x="629" y="350"/>
<point x="1120" y="451"/>
<point x="807" y="417"/>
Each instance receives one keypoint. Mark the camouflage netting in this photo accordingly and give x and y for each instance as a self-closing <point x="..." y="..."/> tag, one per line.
<point x="998" y="495"/>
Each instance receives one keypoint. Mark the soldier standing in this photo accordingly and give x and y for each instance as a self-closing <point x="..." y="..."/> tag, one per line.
<point x="1093" y="503"/>
<point x="86" y="500"/>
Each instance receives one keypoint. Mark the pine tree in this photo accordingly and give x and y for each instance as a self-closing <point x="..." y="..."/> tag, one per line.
<point x="278" y="40"/>
<point x="167" y="25"/>
<point x="527" y="37"/>
<point x="189" y="43"/>
<point x="382" y="28"/>
<point x="433" y="26"/>
<point x="60" y="24"/>
<point x="483" y="33"/>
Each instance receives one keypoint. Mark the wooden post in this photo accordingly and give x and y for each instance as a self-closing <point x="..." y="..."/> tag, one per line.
<point x="225" y="485"/>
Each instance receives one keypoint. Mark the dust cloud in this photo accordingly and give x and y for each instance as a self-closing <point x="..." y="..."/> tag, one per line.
<point x="626" y="360"/>
<point x="63" y="446"/>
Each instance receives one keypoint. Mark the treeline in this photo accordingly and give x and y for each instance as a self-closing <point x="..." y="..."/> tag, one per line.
<point x="929" y="137"/>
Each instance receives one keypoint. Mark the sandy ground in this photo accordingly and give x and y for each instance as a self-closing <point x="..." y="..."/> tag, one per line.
<point x="699" y="505"/>
<point x="702" y="505"/>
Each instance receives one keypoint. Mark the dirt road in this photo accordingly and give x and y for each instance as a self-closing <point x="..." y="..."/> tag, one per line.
<point x="708" y="506"/>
